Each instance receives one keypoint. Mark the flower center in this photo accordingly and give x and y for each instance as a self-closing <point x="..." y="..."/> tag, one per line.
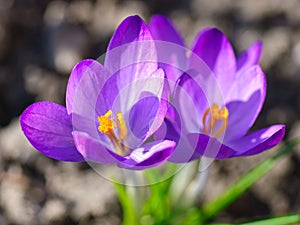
<point x="215" y="120"/>
<point x="108" y="126"/>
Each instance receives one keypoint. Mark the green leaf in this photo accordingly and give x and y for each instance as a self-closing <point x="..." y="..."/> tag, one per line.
<point x="245" y="182"/>
<point x="279" y="220"/>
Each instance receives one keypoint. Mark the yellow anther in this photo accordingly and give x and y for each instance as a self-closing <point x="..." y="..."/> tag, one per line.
<point x="107" y="126"/>
<point x="219" y="113"/>
<point x="121" y="125"/>
<point x="215" y="114"/>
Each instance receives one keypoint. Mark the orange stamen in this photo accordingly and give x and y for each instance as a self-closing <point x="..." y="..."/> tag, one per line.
<point x="107" y="126"/>
<point x="216" y="114"/>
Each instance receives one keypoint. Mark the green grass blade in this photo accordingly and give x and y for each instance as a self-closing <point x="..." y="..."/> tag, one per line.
<point x="280" y="220"/>
<point x="245" y="182"/>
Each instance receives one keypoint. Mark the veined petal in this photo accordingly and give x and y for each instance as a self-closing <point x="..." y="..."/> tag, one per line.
<point x="48" y="127"/>
<point x="92" y="150"/>
<point x="245" y="101"/>
<point x="84" y="110"/>
<point x="149" y="155"/>
<point x="132" y="46"/>
<point x="77" y="72"/>
<point x="250" y="57"/>
<point x="215" y="50"/>
<point x="258" y="141"/>
<point x="86" y="81"/>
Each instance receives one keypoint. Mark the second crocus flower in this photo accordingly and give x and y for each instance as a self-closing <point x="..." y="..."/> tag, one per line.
<point x="217" y="97"/>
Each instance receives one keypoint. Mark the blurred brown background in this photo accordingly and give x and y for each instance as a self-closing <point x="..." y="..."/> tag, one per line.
<point x="40" y="41"/>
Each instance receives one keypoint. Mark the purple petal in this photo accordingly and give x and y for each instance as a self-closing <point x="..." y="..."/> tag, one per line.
<point x="74" y="80"/>
<point x="250" y="57"/>
<point x="258" y="141"/>
<point x="210" y="147"/>
<point x="145" y="117"/>
<point x="149" y="155"/>
<point x="162" y="110"/>
<point x="163" y="29"/>
<point x="171" y="126"/>
<point x="48" y="127"/>
<point x="132" y="46"/>
<point x="246" y="83"/>
<point x="107" y="96"/>
<point x="245" y="101"/>
<point x="170" y="46"/>
<point x="214" y="49"/>
<point x="130" y="30"/>
<point x="191" y="101"/>
<point x="173" y="129"/>
<point x="142" y="115"/>
<point x="84" y="110"/>
<point x="128" y="102"/>
<point x="92" y="150"/>
<point x="129" y="91"/>
<point x="198" y="145"/>
<point x="86" y="81"/>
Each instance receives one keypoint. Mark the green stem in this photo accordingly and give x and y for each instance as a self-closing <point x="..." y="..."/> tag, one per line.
<point x="129" y="214"/>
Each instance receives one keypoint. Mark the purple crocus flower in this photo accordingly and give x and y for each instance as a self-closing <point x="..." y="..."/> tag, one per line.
<point x="111" y="110"/>
<point x="217" y="100"/>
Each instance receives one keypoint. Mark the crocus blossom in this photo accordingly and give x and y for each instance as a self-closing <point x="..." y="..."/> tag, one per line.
<point x="111" y="110"/>
<point x="215" y="109"/>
